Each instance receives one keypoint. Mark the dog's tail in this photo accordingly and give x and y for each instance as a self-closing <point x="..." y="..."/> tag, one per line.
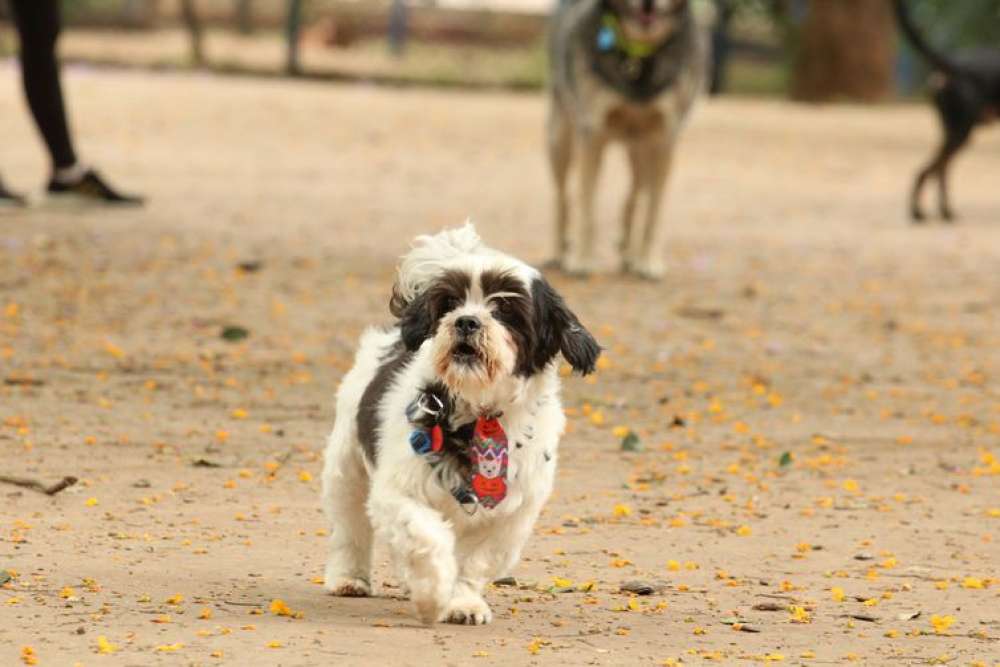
<point x="917" y="40"/>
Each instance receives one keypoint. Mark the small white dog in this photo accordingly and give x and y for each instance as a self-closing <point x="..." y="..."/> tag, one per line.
<point x="447" y="426"/>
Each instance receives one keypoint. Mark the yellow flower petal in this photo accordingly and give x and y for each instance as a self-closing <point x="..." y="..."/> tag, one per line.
<point x="169" y="648"/>
<point x="941" y="623"/>
<point x="104" y="646"/>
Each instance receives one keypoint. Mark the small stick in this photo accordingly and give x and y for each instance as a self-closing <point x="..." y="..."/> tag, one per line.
<point x="35" y="485"/>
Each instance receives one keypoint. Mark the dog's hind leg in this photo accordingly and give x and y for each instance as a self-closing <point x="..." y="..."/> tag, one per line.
<point x="956" y="140"/>
<point x="345" y="492"/>
<point x="580" y="255"/>
<point x="958" y="106"/>
<point x="422" y="544"/>
<point x="916" y="211"/>
<point x="560" y="139"/>
<point x="651" y="264"/>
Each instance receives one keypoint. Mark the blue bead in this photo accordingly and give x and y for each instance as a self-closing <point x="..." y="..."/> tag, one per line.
<point x="420" y="441"/>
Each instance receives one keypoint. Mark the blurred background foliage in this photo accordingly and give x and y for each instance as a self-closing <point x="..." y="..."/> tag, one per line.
<point x="814" y="50"/>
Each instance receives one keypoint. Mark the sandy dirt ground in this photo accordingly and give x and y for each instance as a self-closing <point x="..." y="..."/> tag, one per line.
<point x="801" y="314"/>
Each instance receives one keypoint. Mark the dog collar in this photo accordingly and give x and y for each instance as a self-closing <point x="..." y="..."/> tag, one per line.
<point x="637" y="69"/>
<point x="611" y="36"/>
<point x="486" y="446"/>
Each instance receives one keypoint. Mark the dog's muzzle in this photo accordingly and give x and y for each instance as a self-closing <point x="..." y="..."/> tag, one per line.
<point x="467" y="330"/>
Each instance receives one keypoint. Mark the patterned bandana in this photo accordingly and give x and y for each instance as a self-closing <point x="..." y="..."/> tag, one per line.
<point x="489" y="461"/>
<point x="483" y="442"/>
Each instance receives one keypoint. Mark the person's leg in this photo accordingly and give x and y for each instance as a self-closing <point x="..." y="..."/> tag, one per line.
<point x="38" y="25"/>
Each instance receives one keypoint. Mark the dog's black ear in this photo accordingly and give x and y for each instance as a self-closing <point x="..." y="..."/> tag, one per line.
<point x="415" y="322"/>
<point x="557" y="330"/>
<point x="580" y="348"/>
<point x="397" y="302"/>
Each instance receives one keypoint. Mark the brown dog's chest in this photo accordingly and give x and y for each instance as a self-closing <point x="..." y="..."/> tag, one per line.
<point x="633" y="122"/>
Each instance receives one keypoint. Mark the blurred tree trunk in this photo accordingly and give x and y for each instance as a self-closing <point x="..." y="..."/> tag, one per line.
<point x="244" y="16"/>
<point x="846" y="50"/>
<point x="140" y="12"/>
<point x="293" y="26"/>
<point x="399" y="20"/>
<point x="193" y="24"/>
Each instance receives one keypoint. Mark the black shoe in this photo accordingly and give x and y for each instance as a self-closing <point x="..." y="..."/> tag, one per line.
<point x="91" y="188"/>
<point x="10" y="199"/>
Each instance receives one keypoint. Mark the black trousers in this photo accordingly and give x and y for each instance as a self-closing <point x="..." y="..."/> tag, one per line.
<point x="38" y="24"/>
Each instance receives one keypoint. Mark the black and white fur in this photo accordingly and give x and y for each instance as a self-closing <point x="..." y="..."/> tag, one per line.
<point x="488" y="329"/>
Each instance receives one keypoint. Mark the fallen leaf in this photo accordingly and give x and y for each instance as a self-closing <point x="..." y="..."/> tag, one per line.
<point x="864" y="617"/>
<point x="205" y="463"/>
<point x="631" y="442"/>
<point x="234" y="333"/>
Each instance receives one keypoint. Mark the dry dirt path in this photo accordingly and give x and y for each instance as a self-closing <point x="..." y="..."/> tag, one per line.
<point x="800" y="314"/>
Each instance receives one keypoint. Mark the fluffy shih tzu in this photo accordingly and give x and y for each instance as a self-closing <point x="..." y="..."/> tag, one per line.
<point x="447" y="426"/>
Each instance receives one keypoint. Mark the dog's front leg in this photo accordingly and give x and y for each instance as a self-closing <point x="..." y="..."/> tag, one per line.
<point x="422" y="544"/>
<point x="650" y="262"/>
<point x="484" y="555"/>
<point x="579" y="258"/>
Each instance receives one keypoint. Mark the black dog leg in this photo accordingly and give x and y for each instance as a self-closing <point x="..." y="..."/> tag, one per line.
<point x="957" y="138"/>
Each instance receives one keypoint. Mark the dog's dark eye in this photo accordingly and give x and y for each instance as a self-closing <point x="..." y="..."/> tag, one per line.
<point x="504" y="306"/>
<point x="450" y="304"/>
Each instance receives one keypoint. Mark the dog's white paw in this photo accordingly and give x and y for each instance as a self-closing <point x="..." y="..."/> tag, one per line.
<point x="577" y="265"/>
<point x="649" y="268"/>
<point x="429" y="596"/>
<point x="348" y="587"/>
<point x="467" y="610"/>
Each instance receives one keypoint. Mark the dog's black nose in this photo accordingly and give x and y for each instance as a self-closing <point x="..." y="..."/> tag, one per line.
<point x="467" y="325"/>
